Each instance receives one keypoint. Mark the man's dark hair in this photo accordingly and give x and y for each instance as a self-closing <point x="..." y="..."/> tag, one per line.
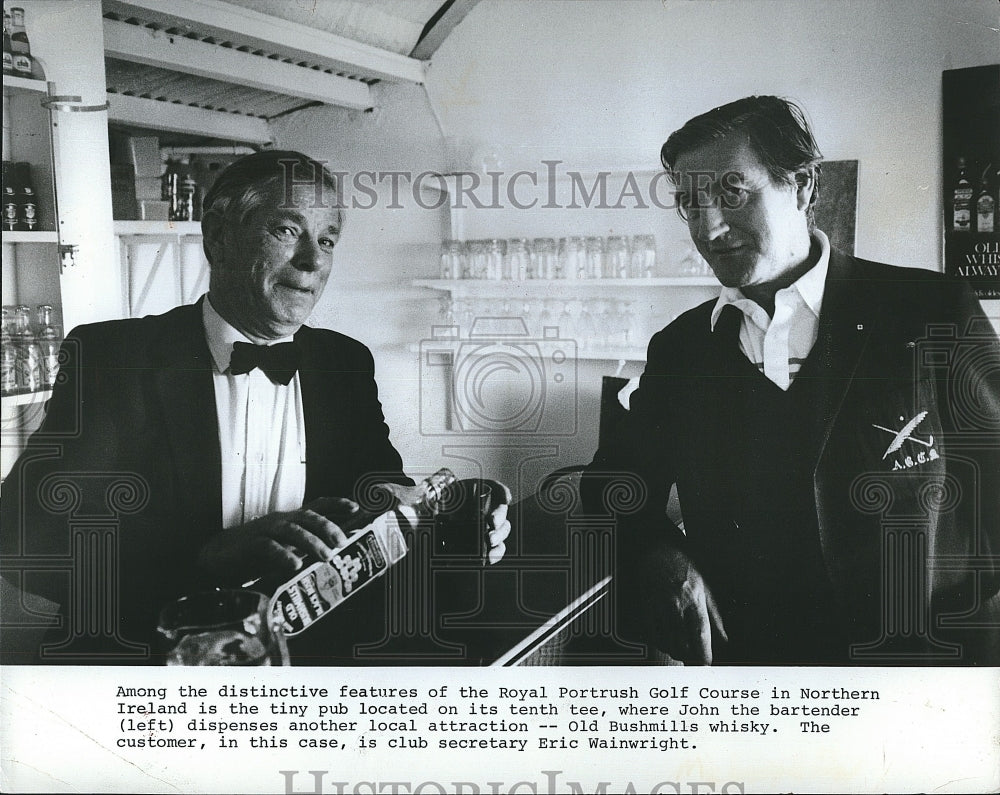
<point x="248" y="183"/>
<point x="775" y="128"/>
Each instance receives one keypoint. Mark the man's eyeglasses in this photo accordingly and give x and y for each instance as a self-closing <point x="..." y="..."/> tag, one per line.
<point x="727" y="193"/>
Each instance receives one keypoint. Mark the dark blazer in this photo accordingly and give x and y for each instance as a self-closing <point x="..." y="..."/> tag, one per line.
<point x="909" y="539"/>
<point x="124" y="473"/>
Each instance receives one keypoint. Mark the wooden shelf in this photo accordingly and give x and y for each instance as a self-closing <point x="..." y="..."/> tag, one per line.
<point x="30" y="237"/>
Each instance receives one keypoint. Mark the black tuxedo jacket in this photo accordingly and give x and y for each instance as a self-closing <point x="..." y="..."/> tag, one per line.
<point x="909" y="536"/>
<point x="108" y="505"/>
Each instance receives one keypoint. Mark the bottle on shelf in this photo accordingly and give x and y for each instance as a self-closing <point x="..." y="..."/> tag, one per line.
<point x="8" y="374"/>
<point x="961" y="196"/>
<point x="375" y="542"/>
<point x="169" y="185"/>
<point x="49" y="338"/>
<point x="27" y="203"/>
<point x="986" y="204"/>
<point x="186" y="207"/>
<point x="29" y="353"/>
<point x="9" y="198"/>
<point x="8" y="49"/>
<point x="20" y="46"/>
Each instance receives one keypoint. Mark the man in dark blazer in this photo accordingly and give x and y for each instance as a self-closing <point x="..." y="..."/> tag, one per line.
<point x="167" y="464"/>
<point x="831" y="425"/>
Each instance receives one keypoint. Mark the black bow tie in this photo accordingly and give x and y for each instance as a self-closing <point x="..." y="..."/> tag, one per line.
<point x="278" y="362"/>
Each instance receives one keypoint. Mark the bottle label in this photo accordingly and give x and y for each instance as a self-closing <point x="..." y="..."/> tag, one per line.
<point x="22" y="63"/>
<point x="50" y="369"/>
<point x="985" y="214"/>
<point x="29" y="217"/>
<point x="318" y="588"/>
<point x="8" y="376"/>
<point x="29" y="369"/>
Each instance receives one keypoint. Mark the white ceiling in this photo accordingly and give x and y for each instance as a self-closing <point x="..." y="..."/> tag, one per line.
<point x="393" y="25"/>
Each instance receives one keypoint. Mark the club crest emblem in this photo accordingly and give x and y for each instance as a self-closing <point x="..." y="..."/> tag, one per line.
<point x="904" y="434"/>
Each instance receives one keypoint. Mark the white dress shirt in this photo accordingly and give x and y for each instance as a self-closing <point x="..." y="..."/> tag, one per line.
<point x="779" y="345"/>
<point x="261" y="432"/>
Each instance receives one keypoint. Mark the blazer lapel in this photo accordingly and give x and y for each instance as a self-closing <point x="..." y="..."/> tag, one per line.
<point x="845" y="326"/>
<point x="183" y="381"/>
<point x="323" y="406"/>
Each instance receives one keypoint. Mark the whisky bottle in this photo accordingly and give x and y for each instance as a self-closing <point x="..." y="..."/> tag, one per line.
<point x="20" y="46"/>
<point x="962" y="200"/>
<point x="8" y="49"/>
<point x="375" y="542"/>
<point x="986" y="205"/>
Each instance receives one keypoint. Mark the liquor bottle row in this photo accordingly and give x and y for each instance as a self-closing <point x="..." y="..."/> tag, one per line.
<point x="974" y="204"/>
<point x="17" y="58"/>
<point x="30" y="350"/>
<point x="20" y="202"/>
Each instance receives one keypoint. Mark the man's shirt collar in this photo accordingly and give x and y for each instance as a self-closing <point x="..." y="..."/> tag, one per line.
<point x="811" y="286"/>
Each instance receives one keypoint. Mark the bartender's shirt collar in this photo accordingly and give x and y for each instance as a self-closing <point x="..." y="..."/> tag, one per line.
<point x="220" y="336"/>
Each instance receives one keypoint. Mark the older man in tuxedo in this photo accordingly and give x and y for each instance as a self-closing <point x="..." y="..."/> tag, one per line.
<point x="832" y="426"/>
<point x="220" y="440"/>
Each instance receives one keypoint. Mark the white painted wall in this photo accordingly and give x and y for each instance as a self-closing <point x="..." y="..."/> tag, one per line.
<point x="600" y="85"/>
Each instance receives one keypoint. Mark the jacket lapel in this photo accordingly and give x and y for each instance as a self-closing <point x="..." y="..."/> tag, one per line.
<point x="845" y="325"/>
<point x="323" y="406"/>
<point x="183" y="382"/>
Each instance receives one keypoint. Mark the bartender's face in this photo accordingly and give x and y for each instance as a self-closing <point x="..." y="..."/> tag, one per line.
<point x="747" y="227"/>
<point x="269" y="272"/>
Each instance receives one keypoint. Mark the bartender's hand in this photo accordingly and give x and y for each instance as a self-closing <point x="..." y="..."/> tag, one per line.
<point x="275" y="544"/>
<point x="684" y="618"/>
<point x="497" y="524"/>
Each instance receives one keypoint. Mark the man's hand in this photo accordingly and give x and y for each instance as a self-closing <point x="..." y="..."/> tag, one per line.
<point x="497" y="523"/>
<point x="275" y="544"/>
<point x="683" y="615"/>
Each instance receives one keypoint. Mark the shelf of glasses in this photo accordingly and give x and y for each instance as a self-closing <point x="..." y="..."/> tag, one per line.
<point x="504" y="286"/>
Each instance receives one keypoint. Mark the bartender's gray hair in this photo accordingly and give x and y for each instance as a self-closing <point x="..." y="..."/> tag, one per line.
<point x="266" y="176"/>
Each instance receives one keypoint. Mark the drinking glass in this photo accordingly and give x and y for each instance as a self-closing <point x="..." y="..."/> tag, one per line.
<point x="517" y="262"/>
<point x="543" y="258"/>
<point x="616" y="260"/>
<point x="594" y="257"/>
<point x="496" y="253"/>
<point x="642" y="263"/>
<point x="222" y="627"/>
<point x="571" y="260"/>
<point x="452" y="259"/>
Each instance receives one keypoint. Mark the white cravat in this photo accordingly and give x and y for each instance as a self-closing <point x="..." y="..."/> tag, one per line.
<point x="779" y="344"/>
<point x="261" y="432"/>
